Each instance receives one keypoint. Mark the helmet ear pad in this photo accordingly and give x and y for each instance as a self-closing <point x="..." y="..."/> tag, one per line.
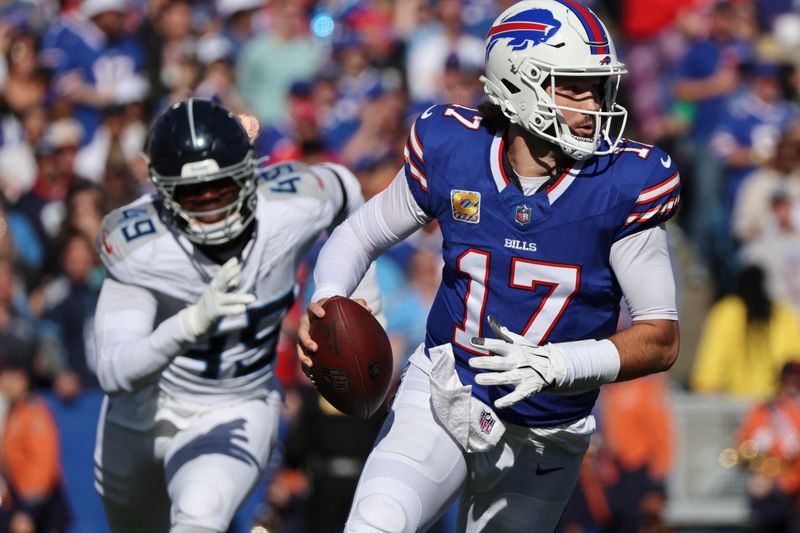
<point x="523" y="107"/>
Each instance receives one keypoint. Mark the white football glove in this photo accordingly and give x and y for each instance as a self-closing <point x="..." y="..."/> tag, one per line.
<point x="216" y="302"/>
<point x="518" y="362"/>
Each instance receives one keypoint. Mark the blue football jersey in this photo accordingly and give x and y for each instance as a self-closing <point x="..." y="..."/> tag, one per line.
<point x="76" y="48"/>
<point x="539" y="264"/>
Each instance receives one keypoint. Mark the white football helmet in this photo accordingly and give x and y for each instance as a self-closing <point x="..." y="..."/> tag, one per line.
<point x="532" y="43"/>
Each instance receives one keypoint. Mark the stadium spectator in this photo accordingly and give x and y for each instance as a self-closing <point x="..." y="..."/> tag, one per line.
<point x="94" y="62"/>
<point x="29" y="454"/>
<point x="118" y="141"/>
<point x="430" y="46"/>
<point x="166" y="35"/>
<point x="653" y="47"/>
<point x="746" y="339"/>
<point x="273" y="60"/>
<point x="283" y="139"/>
<point x="85" y="209"/>
<point x="22" y="92"/>
<point x="216" y="54"/>
<point x="407" y="302"/>
<point x="357" y="83"/>
<point x="69" y="303"/>
<point x="777" y="251"/>
<point x="752" y="211"/>
<point x="751" y="125"/>
<point x="43" y="205"/>
<point x="708" y="72"/>
<point x="769" y="447"/>
<point x="186" y="74"/>
<point x="26" y="86"/>
<point x="380" y="130"/>
<point x="746" y="136"/>
<point x="374" y="174"/>
<point x="374" y="25"/>
<point x="28" y="256"/>
<point x="460" y="83"/>
<point x="22" y="335"/>
<point x="706" y="75"/>
<point x="120" y="185"/>
<point x="238" y="21"/>
<point x="17" y="160"/>
<point x="636" y="452"/>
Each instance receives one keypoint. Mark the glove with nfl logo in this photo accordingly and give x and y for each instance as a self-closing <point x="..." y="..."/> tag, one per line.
<point x="517" y="362"/>
<point x="217" y="302"/>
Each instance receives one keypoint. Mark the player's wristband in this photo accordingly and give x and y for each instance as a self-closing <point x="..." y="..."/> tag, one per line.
<point x="588" y="363"/>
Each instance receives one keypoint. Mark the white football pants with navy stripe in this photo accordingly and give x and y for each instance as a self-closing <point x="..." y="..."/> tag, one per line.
<point x="190" y="471"/>
<point x="417" y="470"/>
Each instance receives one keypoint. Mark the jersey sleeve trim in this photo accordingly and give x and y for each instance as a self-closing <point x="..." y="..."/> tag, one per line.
<point x="414" y="171"/>
<point x="657" y="203"/>
<point x="657" y="191"/>
<point x="660" y="210"/>
<point x="413" y="157"/>
<point x="416" y="145"/>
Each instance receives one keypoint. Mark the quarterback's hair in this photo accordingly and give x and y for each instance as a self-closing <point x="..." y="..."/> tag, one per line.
<point x="493" y="117"/>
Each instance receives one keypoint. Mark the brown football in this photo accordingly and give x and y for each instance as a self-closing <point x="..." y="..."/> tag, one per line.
<point x="353" y="364"/>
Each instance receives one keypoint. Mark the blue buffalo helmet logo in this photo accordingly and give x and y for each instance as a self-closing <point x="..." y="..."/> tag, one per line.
<point x="529" y="28"/>
<point x="606" y="60"/>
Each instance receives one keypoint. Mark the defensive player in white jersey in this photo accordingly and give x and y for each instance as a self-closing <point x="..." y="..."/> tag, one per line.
<point x="200" y="276"/>
<point x="548" y="218"/>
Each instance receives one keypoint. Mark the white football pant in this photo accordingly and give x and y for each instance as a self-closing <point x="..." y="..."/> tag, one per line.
<point x="189" y="478"/>
<point x="417" y="470"/>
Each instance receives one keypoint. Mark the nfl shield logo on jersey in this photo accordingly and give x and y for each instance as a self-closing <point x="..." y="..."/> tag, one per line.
<point x="466" y="206"/>
<point x="486" y="422"/>
<point x="523" y="215"/>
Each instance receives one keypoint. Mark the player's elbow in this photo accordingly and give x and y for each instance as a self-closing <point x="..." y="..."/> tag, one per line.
<point x="669" y="346"/>
<point x="669" y="357"/>
<point x="662" y="341"/>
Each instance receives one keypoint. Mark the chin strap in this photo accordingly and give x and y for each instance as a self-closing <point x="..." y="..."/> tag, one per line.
<point x="567" y="143"/>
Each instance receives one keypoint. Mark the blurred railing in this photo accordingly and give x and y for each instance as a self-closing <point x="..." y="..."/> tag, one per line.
<point x="706" y="488"/>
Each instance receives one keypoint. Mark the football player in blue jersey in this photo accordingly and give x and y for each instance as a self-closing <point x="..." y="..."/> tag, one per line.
<point x="550" y="219"/>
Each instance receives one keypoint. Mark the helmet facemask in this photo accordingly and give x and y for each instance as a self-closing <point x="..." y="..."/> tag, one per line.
<point x="534" y="107"/>
<point x="236" y="216"/>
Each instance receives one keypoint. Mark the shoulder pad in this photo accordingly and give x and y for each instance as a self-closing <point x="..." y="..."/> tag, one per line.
<point x="628" y="149"/>
<point x="442" y="118"/>
<point x="442" y="137"/>
<point x="126" y="229"/>
<point x="654" y="189"/>
<point x="436" y="127"/>
<point x="290" y="179"/>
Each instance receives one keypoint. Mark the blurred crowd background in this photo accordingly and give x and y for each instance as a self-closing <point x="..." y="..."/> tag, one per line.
<point x="714" y="444"/>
